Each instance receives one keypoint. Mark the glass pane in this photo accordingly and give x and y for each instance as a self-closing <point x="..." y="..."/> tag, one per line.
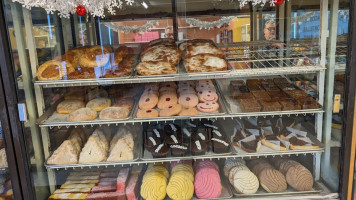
<point x="184" y="92"/>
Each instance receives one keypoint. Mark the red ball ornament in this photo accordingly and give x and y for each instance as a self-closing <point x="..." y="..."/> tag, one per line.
<point x="278" y="2"/>
<point x="81" y="10"/>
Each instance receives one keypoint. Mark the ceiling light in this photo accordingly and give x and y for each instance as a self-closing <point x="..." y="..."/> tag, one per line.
<point x="144" y="4"/>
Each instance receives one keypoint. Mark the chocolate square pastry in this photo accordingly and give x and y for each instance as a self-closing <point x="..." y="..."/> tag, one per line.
<point x="239" y="95"/>
<point x="280" y="80"/>
<point x="261" y="95"/>
<point x="249" y="105"/>
<point x="270" y="105"/>
<point x="289" y="104"/>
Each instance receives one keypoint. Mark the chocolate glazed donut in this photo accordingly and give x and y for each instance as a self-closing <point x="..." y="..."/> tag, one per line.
<point x="96" y="56"/>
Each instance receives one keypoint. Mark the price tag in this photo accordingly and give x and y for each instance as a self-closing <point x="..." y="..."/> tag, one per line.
<point x="336" y="108"/>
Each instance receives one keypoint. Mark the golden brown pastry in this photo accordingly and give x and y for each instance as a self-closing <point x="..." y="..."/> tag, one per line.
<point x="121" y="53"/>
<point x="272" y="180"/>
<point x="83" y="73"/>
<point x="114" y="113"/>
<point x="99" y="104"/>
<point x="155" y="68"/>
<point x="124" y="102"/>
<point x="54" y="70"/>
<point x="68" y="106"/>
<point x="299" y="178"/>
<point x="96" y="56"/>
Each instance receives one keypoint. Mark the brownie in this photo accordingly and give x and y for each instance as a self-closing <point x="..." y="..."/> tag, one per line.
<point x="248" y="95"/>
<point x="251" y="82"/>
<point x="286" y="86"/>
<point x="220" y="145"/>
<point x="261" y="95"/>
<point x="172" y="139"/>
<point x="255" y="88"/>
<point x="198" y="148"/>
<point x="267" y="82"/>
<point x="277" y="95"/>
<point x="151" y="142"/>
<point x="280" y="80"/>
<point x="160" y="151"/>
<point x="202" y="136"/>
<point x="217" y="134"/>
<point x="172" y="129"/>
<point x="157" y="133"/>
<point x="178" y="150"/>
<point x="269" y="87"/>
<point x="290" y="104"/>
<point x="187" y="134"/>
<point x="308" y="103"/>
<point x="249" y="105"/>
<point x="237" y="83"/>
<point x="270" y="105"/>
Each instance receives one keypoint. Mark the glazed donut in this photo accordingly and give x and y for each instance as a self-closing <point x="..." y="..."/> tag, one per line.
<point x="54" y="70"/>
<point x="96" y="56"/>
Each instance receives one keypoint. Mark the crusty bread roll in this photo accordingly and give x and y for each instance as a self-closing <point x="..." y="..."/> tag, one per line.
<point x="54" y="70"/>
<point x="68" y="106"/>
<point x="82" y="114"/>
<point x="99" y="104"/>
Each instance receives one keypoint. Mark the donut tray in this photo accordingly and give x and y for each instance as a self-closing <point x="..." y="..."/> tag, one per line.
<point x="232" y="106"/>
<point x="136" y="153"/>
<point x="220" y="111"/>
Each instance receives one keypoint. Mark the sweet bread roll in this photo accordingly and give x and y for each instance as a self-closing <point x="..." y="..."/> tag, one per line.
<point x="71" y="56"/>
<point x="74" y="95"/>
<point x="97" y="94"/>
<point x="68" y="106"/>
<point x="272" y="181"/>
<point x="54" y="70"/>
<point x="114" y="113"/>
<point x="82" y="114"/>
<point x="99" y="104"/>
<point x="121" y="52"/>
<point x="299" y="178"/>
<point x="245" y="182"/>
<point x="124" y="102"/>
<point x="96" y="56"/>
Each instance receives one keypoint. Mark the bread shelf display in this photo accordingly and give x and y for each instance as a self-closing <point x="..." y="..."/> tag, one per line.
<point x="241" y="63"/>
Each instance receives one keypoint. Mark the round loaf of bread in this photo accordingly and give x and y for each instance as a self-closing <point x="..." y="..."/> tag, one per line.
<point x="68" y="106"/>
<point x="114" y="113"/>
<point x="245" y="182"/>
<point x="99" y="104"/>
<point x="82" y="114"/>
<point x="272" y="180"/>
<point x="299" y="178"/>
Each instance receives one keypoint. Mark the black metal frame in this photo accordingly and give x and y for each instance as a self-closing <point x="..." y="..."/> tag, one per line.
<point x="12" y="128"/>
<point x="14" y="138"/>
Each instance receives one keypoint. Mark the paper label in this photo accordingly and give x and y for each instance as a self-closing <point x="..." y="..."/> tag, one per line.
<point x="211" y="126"/>
<point x="255" y="132"/>
<point x="217" y="133"/>
<point x="336" y="108"/>
<point x="305" y="139"/>
<point x="247" y="139"/>
<point x="173" y="127"/>
<point x="201" y="136"/>
<point x="267" y="130"/>
<point x="186" y="132"/>
<point x="174" y="139"/>
<point x="197" y="143"/>
<point x="252" y="121"/>
<point x="190" y="124"/>
<point x="296" y="131"/>
<point x="157" y="133"/>
<point x="153" y="141"/>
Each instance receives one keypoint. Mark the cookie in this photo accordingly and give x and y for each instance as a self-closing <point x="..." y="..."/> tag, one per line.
<point x="188" y="100"/>
<point x="186" y="84"/>
<point x="153" y="86"/>
<point x="200" y="88"/>
<point x="208" y="96"/>
<point x="148" y="101"/>
<point x="146" y="113"/>
<point x="182" y="90"/>
<point x="167" y="89"/>
<point x="99" y="104"/>
<point x="169" y="84"/>
<point x="167" y="100"/>
<point x="114" y="113"/>
<point x="208" y="107"/>
<point x="150" y="91"/>
<point x="188" y="111"/>
<point x="205" y="82"/>
<point x="82" y="114"/>
<point x="170" y="110"/>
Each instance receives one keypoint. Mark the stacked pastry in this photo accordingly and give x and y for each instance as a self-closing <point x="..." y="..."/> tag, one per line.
<point x="272" y="180"/>
<point x="207" y="183"/>
<point x="180" y="185"/>
<point x="159" y="57"/>
<point x="240" y="177"/>
<point x="154" y="182"/>
<point x="297" y="176"/>
<point x="97" y="101"/>
<point x="202" y="56"/>
<point x="88" y="62"/>
<point x="68" y="152"/>
<point x="182" y="99"/>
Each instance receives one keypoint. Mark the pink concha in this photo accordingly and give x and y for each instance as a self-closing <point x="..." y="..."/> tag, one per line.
<point x="207" y="163"/>
<point x="207" y="183"/>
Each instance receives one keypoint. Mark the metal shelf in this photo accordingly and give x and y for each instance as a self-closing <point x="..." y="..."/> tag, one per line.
<point x="44" y="122"/>
<point x="246" y="155"/>
<point x="250" y="59"/>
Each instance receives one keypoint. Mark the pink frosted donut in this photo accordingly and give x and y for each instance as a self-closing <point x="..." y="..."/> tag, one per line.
<point x="207" y="183"/>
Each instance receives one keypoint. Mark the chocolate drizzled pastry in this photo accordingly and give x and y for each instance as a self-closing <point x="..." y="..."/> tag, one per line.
<point x="172" y="140"/>
<point x="178" y="150"/>
<point x="151" y="142"/>
<point x="198" y="147"/>
<point x="160" y="151"/>
<point x="157" y="133"/>
<point x="220" y="145"/>
<point x="172" y="129"/>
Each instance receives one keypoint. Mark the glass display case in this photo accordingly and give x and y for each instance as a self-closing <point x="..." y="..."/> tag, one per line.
<point x="181" y="99"/>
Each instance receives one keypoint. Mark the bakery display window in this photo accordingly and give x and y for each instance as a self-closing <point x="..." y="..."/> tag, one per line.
<point x="181" y="99"/>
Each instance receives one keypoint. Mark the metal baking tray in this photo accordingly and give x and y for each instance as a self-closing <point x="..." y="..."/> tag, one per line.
<point x="233" y="107"/>
<point x="52" y="118"/>
<point x="220" y="111"/>
<point x="137" y="156"/>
